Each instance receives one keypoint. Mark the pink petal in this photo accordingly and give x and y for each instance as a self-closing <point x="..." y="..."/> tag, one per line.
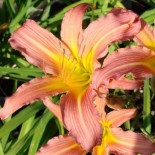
<point x="54" y="108"/>
<point x="35" y="89"/>
<point x="39" y="46"/>
<point x="146" y="37"/>
<point x="118" y="25"/>
<point x="136" y="60"/>
<point x="81" y="118"/>
<point x="71" y="28"/>
<point x="124" y="83"/>
<point x="62" y="145"/>
<point x="118" y="117"/>
<point x="102" y="91"/>
<point x="130" y="143"/>
<point x="100" y="106"/>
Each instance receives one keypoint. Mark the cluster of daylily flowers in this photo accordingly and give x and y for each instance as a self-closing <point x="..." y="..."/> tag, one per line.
<point x="73" y="70"/>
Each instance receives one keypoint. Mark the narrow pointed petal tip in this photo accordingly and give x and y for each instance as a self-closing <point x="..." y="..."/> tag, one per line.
<point x="54" y="108"/>
<point x="81" y="119"/>
<point x="117" y="25"/>
<point x="118" y="117"/>
<point x="30" y="91"/>
<point x="3" y="114"/>
<point x="62" y="145"/>
<point x="131" y="143"/>
<point x="125" y="83"/>
<point x="100" y="106"/>
<point x="71" y="28"/>
<point x="39" y="46"/>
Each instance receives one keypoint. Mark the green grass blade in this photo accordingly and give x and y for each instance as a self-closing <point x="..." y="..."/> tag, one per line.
<point x="26" y="127"/>
<point x="127" y="125"/>
<point x="147" y="107"/>
<point x="5" y="137"/>
<point x="10" y="7"/>
<point x="21" y="144"/>
<point x="1" y="149"/>
<point x="105" y="5"/>
<point x="35" y="72"/>
<point x="20" y="14"/>
<point x="21" y="117"/>
<point x="149" y="16"/>
<point x="46" y="12"/>
<point x="60" y="127"/>
<point x="60" y="15"/>
<point x="39" y="130"/>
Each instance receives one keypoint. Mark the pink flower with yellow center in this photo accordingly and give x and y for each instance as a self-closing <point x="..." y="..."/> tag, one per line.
<point x="114" y="139"/>
<point x="71" y="66"/>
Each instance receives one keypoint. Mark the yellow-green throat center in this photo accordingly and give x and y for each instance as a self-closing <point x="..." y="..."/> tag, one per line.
<point x="74" y="74"/>
<point x="107" y="138"/>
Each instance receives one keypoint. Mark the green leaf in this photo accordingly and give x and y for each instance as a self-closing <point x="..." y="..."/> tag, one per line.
<point x="39" y="130"/>
<point x="23" y="9"/>
<point x="60" y="127"/>
<point x="149" y="16"/>
<point x="26" y="127"/>
<point x="25" y="72"/>
<point x="10" y="6"/>
<point x="21" y="117"/>
<point x="60" y="15"/>
<point x="147" y="107"/>
<point x="1" y="149"/>
<point x="21" y="144"/>
<point x="46" y="11"/>
<point x="4" y="139"/>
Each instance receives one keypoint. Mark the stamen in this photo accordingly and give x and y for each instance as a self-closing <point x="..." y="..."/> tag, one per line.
<point x="61" y="60"/>
<point x="72" y="63"/>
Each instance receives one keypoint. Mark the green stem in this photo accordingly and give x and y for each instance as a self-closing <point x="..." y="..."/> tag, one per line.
<point x="94" y="5"/>
<point x="147" y="107"/>
<point x="105" y="5"/>
<point x="10" y="6"/>
<point x="20" y="15"/>
<point x="127" y="125"/>
<point x="1" y="149"/>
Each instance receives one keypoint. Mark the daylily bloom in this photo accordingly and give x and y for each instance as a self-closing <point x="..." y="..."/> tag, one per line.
<point x="114" y="139"/>
<point x="70" y="65"/>
<point x="138" y="60"/>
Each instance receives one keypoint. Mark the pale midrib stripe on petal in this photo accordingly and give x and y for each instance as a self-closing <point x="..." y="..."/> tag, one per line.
<point x="63" y="150"/>
<point x="46" y="50"/>
<point x="108" y="34"/>
<point x="108" y="72"/>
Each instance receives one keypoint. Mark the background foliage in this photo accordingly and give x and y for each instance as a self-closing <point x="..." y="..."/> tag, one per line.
<point x="31" y="127"/>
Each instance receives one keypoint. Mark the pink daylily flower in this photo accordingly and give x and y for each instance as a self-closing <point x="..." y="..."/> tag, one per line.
<point x="114" y="139"/>
<point x="117" y="141"/>
<point x="71" y="67"/>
